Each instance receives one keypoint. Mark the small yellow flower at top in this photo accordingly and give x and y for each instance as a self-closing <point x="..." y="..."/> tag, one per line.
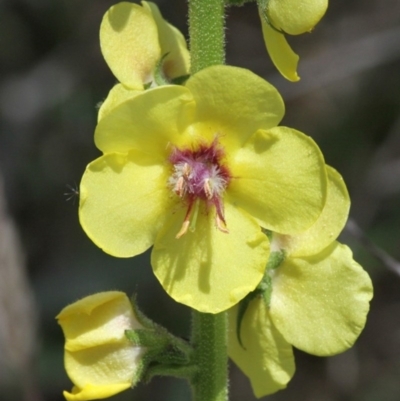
<point x="293" y="17"/>
<point x="319" y="300"/>
<point x="134" y="40"/>
<point x="98" y="358"/>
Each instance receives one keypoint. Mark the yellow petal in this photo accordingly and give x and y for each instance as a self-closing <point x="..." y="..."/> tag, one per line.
<point x="103" y="371"/>
<point x="91" y="392"/>
<point x="171" y="40"/>
<point x="123" y="202"/>
<point x="117" y="95"/>
<point x="150" y="122"/>
<point x="88" y="304"/>
<point x="129" y="43"/>
<point x="97" y="319"/>
<point x="207" y="269"/>
<point x="320" y="303"/>
<point x="232" y="103"/>
<point x="282" y="55"/>
<point x="294" y="16"/>
<point x="329" y="224"/>
<point x="280" y="178"/>
<point x="267" y="358"/>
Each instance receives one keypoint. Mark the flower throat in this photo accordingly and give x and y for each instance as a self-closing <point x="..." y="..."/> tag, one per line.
<point x="200" y="175"/>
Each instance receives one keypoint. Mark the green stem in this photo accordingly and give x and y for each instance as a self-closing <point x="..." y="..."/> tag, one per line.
<point x="209" y="332"/>
<point x="207" y="35"/>
<point x="209" y="340"/>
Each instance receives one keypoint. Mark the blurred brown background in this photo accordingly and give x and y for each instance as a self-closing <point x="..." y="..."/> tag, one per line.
<point x="52" y="75"/>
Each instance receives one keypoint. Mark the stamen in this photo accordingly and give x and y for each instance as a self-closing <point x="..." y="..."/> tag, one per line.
<point x="207" y="188"/>
<point x="183" y="229"/>
<point x="200" y="176"/>
<point x="221" y="224"/>
<point x="180" y="187"/>
<point x="186" y="222"/>
<point x="186" y="170"/>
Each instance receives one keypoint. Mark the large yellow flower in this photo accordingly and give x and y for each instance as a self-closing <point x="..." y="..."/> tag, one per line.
<point x="293" y="17"/>
<point x="134" y="39"/>
<point x="98" y="358"/>
<point x="319" y="300"/>
<point x="195" y="170"/>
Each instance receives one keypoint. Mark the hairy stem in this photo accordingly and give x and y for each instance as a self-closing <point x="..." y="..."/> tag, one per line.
<point x="209" y="332"/>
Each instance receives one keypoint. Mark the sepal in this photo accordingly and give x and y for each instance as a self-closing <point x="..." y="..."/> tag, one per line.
<point x="264" y="289"/>
<point x="159" y="75"/>
<point x="166" y="354"/>
<point x="160" y="78"/>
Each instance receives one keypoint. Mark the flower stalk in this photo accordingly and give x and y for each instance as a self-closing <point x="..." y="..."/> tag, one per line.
<point x="206" y="32"/>
<point x="209" y="340"/>
<point x="209" y="332"/>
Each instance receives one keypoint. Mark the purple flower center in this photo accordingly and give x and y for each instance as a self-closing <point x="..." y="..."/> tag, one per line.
<point x="199" y="174"/>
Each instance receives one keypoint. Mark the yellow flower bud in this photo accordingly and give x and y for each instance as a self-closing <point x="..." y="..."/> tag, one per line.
<point x="99" y="359"/>
<point x="134" y="38"/>
<point x="295" y="17"/>
<point x="280" y="17"/>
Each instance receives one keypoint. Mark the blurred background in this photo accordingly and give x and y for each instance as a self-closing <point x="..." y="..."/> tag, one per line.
<point x="52" y="76"/>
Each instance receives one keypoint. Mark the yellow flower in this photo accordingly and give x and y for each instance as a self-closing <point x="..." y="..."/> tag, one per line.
<point x="99" y="359"/>
<point x="319" y="300"/>
<point x="195" y="170"/>
<point x="134" y="39"/>
<point x="294" y="18"/>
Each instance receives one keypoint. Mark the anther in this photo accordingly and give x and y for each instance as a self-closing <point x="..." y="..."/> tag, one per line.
<point x="200" y="178"/>
<point x="186" y="222"/>
<point x="186" y="170"/>
<point x="207" y="188"/>
<point x="180" y="187"/>
<point x="221" y="224"/>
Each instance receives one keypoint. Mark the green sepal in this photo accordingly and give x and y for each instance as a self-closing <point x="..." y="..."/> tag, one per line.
<point x="147" y="85"/>
<point x="175" y="370"/>
<point x="139" y="373"/>
<point x="263" y="8"/>
<point x="264" y="289"/>
<point x="180" y="80"/>
<point x="165" y="353"/>
<point x="268" y="233"/>
<point x="159" y="78"/>
<point x="275" y="260"/>
<point x="145" y="338"/>
<point x="173" y="359"/>
<point x="161" y="346"/>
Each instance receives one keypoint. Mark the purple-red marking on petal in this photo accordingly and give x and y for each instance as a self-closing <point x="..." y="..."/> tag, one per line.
<point x="200" y="174"/>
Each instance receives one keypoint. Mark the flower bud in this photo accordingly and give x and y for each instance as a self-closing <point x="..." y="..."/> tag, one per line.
<point x="295" y="17"/>
<point x="98" y="358"/>
<point x="134" y="38"/>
